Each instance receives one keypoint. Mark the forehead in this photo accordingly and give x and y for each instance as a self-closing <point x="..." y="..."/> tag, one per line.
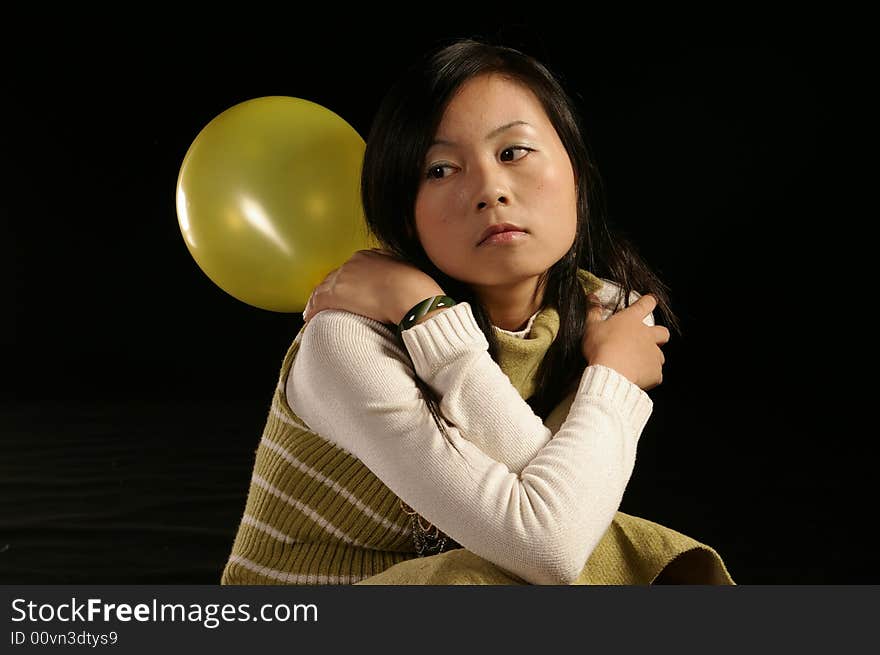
<point x="488" y="101"/>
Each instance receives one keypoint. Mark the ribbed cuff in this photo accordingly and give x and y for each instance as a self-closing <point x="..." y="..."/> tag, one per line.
<point x="446" y="335"/>
<point x="635" y="405"/>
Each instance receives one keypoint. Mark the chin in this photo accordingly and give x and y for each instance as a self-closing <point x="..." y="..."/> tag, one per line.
<point x="501" y="275"/>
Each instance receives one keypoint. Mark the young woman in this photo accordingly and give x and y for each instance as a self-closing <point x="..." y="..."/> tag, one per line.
<point x="458" y="398"/>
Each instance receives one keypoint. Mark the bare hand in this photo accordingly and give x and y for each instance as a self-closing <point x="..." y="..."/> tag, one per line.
<point x="624" y="343"/>
<point x="373" y="283"/>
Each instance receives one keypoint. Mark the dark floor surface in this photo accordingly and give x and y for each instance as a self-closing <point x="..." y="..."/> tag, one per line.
<point x="122" y="494"/>
<point x="152" y="493"/>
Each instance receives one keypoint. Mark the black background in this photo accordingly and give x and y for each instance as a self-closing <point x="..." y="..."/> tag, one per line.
<point x="134" y="390"/>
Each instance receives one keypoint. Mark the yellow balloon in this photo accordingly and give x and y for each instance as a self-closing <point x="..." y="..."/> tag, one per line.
<point x="268" y="200"/>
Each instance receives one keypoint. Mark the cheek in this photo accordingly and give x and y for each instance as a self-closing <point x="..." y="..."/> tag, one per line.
<point x="558" y="182"/>
<point x="558" y="194"/>
<point x="430" y="230"/>
<point x="559" y="191"/>
<point x="427" y="211"/>
<point x="431" y="216"/>
<point x="422" y="217"/>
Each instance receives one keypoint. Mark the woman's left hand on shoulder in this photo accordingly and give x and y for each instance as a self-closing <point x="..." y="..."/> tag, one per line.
<point x="373" y="283"/>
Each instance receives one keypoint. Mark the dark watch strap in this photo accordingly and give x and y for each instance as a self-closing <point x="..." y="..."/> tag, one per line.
<point x="422" y="308"/>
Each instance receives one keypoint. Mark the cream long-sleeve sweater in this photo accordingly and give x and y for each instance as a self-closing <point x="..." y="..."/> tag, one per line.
<point x="532" y="502"/>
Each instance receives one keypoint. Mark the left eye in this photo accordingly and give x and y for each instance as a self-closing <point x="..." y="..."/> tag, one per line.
<point x="512" y="148"/>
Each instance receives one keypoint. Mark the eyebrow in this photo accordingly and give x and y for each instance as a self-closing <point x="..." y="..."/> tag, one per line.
<point x="492" y="134"/>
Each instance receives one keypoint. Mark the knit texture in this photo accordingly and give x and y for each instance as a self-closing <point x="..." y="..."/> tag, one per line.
<point x="315" y="514"/>
<point x="633" y="551"/>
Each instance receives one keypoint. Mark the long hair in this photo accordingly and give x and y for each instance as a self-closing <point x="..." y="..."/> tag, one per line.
<point x="399" y="138"/>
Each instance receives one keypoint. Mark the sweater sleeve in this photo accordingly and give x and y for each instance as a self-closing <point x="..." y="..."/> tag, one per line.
<point x="450" y="353"/>
<point x="541" y="524"/>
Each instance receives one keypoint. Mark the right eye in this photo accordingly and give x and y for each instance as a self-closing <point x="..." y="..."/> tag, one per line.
<point x="436" y="167"/>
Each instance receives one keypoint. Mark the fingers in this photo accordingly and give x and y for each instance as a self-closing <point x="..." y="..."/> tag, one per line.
<point x="646" y="305"/>
<point x="594" y="312"/>
<point x="661" y="334"/>
<point x="310" y="307"/>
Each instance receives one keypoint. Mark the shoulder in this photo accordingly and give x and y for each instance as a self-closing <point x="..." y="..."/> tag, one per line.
<point x="343" y="357"/>
<point x="339" y="324"/>
<point x="611" y="296"/>
<point x="611" y="292"/>
<point x="335" y="335"/>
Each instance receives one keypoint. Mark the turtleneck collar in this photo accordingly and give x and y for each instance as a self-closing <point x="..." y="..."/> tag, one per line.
<point x="520" y="334"/>
<point x="521" y="353"/>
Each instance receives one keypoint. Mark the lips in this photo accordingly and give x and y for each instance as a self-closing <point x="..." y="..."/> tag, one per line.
<point x="498" y="228"/>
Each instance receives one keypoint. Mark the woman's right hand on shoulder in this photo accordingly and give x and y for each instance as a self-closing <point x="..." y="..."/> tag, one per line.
<point x="623" y="342"/>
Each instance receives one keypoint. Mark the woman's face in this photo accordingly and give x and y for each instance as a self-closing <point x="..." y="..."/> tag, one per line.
<point x="520" y="175"/>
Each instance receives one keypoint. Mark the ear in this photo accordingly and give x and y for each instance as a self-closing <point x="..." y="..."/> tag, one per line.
<point x="409" y="231"/>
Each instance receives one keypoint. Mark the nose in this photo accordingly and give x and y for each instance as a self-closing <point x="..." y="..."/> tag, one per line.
<point x="483" y="204"/>
<point x="491" y="185"/>
<point x="492" y="191"/>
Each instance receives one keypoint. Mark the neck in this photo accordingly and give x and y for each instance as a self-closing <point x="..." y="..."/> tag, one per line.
<point x="510" y="306"/>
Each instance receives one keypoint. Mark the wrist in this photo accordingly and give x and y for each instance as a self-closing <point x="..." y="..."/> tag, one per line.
<point x="433" y="312"/>
<point x="421" y="306"/>
<point x="617" y="368"/>
<point x="410" y="298"/>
